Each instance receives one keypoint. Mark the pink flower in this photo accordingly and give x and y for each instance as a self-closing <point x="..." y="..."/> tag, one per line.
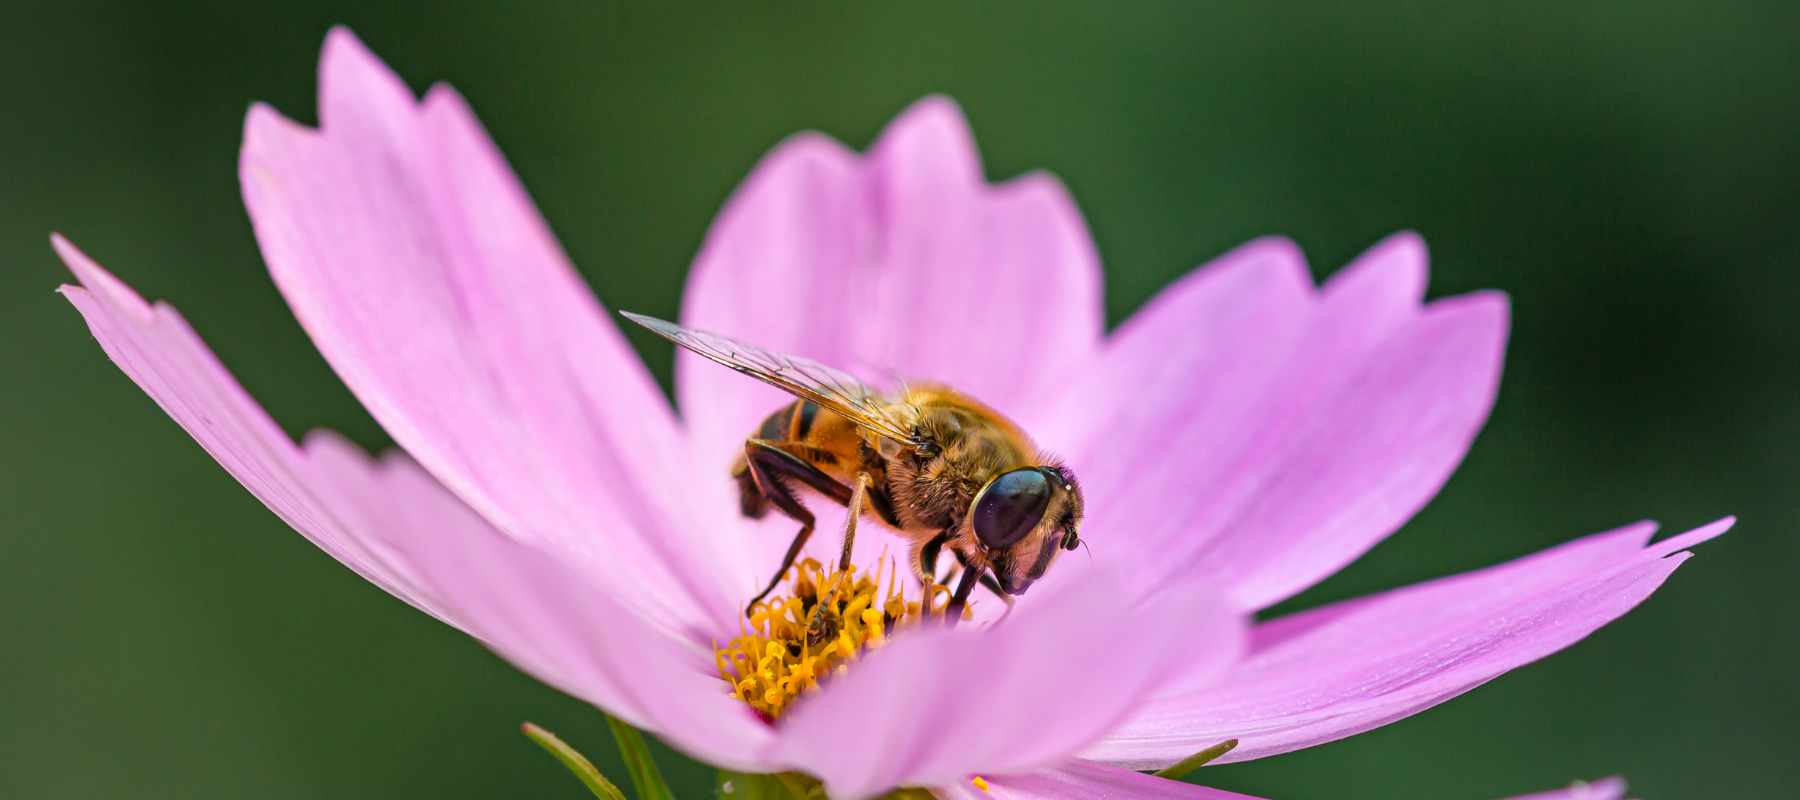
<point x="1240" y="438"/>
<point x="1088" y="779"/>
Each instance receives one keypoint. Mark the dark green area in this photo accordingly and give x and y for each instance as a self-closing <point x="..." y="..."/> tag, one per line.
<point x="1628" y="171"/>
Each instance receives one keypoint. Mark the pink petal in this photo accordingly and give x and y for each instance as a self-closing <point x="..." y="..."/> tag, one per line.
<point x="1248" y="431"/>
<point x="993" y="290"/>
<point x="155" y="346"/>
<point x="548" y="620"/>
<point x="1604" y="789"/>
<point x="396" y="526"/>
<point x="1029" y="690"/>
<point x="1078" y="779"/>
<point x="778" y="271"/>
<point x="904" y="263"/>
<point x="1342" y="669"/>
<point x="421" y="270"/>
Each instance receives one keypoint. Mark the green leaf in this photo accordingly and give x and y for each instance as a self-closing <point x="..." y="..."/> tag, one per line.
<point x="576" y="762"/>
<point x="792" y="786"/>
<point x="1175" y="771"/>
<point x="644" y="774"/>
<point x="800" y="786"/>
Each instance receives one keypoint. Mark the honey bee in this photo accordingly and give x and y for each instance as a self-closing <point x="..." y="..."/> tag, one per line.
<point x="934" y="464"/>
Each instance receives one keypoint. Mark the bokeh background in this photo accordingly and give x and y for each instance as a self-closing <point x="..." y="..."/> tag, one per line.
<point x="1628" y="171"/>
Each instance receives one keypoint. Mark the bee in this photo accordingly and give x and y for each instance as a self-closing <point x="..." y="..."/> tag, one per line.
<point x="936" y="465"/>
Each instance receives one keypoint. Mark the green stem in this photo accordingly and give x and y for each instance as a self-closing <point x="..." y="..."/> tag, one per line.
<point x="644" y="774"/>
<point x="1175" y="771"/>
<point x="576" y="762"/>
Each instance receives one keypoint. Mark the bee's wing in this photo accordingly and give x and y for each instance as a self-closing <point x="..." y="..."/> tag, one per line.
<point x="833" y="390"/>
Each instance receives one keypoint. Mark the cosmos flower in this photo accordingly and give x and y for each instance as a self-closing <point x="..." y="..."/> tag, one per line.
<point x="1240" y="438"/>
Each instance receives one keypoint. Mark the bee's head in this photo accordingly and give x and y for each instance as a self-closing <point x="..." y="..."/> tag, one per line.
<point x="1024" y="517"/>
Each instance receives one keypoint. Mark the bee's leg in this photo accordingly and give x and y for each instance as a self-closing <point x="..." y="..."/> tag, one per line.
<point x="815" y="627"/>
<point x="965" y="587"/>
<point x="988" y="583"/>
<point x="772" y="460"/>
<point x="806" y="520"/>
<point x="925" y="558"/>
<point x="770" y="467"/>
<point x="883" y="505"/>
<point x="858" y="498"/>
<point x="752" y="503"/>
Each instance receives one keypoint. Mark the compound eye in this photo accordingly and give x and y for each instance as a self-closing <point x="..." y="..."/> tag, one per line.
<point x="1010" y="506"/>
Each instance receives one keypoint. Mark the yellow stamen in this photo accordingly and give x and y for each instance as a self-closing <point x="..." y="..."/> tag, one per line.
<point x="980" y="782"/>
<point x="784" y="652"/>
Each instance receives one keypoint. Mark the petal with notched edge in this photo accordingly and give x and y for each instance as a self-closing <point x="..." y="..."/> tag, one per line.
<point x="1325" y="674"/>
<point x="396" y="526"/>
<point x="423" y="273"/>
<point x="157" y="349"/>
<point x="1249" y="431"/>
<point x="902" y="263"/>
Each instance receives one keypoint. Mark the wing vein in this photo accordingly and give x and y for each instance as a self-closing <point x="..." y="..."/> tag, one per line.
<point x="833" y="390"/>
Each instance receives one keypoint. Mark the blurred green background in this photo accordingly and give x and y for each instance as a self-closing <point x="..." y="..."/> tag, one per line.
<point x="1629" y="172"/>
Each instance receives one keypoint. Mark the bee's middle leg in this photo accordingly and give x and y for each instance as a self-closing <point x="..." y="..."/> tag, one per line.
<point x="816" y="628"/>
<point x="771" y="467"/>
<point x="858" y="499"/>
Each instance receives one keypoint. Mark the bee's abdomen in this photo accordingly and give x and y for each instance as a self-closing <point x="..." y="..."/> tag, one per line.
<point x="791" y="423"/>
<point x="788" y="426"/>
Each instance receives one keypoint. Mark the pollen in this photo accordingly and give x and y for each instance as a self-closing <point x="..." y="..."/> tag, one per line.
<point x="818" y="628"/>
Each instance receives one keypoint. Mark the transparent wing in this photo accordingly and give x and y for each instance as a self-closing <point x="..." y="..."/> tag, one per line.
<point x="833" y="390"/>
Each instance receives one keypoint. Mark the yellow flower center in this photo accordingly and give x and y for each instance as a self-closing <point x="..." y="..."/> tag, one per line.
<point x="825" y="621"/>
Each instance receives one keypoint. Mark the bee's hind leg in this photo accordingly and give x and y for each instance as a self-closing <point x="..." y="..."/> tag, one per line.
<point x="771" y="467"/>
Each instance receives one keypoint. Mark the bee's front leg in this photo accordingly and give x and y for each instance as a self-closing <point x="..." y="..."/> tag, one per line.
<point x="925" y="558"/>
<point x="988" y="582"/>
<point x="972" y="573"/>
